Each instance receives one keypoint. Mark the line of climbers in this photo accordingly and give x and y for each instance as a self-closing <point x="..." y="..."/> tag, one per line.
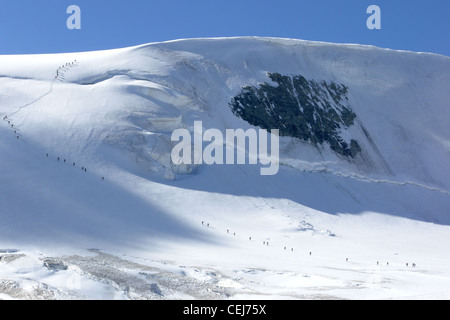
<point x="60" y="72"/>
<point x="12" y="126"/>
<point x="59" y="76"/>
<point x="59" y="159"/>
<point x="266" y="243"/>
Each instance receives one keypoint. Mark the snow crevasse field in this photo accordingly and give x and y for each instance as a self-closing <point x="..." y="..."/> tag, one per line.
<point x="325" y="226"/>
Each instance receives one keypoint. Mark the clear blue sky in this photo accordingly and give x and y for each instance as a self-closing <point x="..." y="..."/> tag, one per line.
<point x="39" y="26"/>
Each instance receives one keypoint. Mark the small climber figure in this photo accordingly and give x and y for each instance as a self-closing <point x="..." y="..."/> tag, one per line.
<point x="58" y="158"/>
<point x="74" y="164"/>
<point x="103" y="178"/>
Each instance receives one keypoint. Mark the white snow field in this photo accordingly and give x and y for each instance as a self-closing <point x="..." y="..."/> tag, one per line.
<point x="324" y="227"/>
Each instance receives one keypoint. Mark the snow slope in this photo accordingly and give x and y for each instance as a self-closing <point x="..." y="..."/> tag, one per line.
<point x="153" y="230"/>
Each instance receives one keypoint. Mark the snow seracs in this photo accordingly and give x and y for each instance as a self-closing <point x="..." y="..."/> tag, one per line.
<point x="213" y="153"/>
<point x="161" y="87"/>
<point x="208" y="73"/>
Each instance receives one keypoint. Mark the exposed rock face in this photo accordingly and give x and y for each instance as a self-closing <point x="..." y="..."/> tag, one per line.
<point x="311" y="111"/>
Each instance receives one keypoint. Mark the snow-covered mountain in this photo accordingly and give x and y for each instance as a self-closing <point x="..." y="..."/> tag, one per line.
<point x="91" y="204"/>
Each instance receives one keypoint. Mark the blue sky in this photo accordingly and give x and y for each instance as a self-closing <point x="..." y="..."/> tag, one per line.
<point x="31" y="26"/>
